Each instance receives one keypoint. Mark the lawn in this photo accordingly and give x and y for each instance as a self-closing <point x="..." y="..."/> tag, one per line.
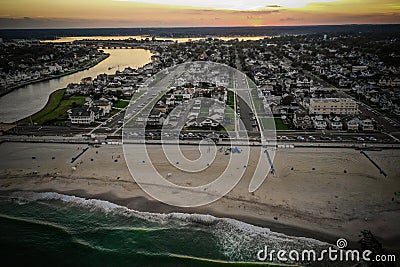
<point x="229" y="128"/>
<point x="60" y="113"/>
<point x="279" y="125"/>
<point x="231" y="99"/>
<point x="51" y="105"/>
<point x="121" y="104"/>
<point x="259" y="106"/>
<point x="149" y="106"/>
<point x="56" y="108"/>
<point x="251" y="83"/>
<point x="271" y="123"/>
<point x="203" y="112"/>
<point x="230" y="84"/>
<point x="229" y="122"/>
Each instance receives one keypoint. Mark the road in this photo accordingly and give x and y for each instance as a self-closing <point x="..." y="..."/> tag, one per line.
<point x="244" y="107"/>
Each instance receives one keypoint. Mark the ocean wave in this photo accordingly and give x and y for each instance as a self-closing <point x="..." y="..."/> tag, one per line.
<point x="237" y="241"/>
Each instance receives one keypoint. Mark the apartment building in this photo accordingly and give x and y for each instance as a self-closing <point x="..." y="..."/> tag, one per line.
<point x="338" y="106"/>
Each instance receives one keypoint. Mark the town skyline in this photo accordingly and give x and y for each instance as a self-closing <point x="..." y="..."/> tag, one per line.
<point x="193" y="13"/>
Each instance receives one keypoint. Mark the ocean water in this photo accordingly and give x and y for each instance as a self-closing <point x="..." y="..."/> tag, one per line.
<point x="51" y="229"/>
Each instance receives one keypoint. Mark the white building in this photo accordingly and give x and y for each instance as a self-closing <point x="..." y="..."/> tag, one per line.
<point x="83" y="115"/>
<point x="319" y="123"/>
<point x="365" y="125"/>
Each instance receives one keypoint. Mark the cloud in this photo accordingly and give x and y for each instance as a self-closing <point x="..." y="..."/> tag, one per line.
<point x="232" y="4"/>
<point x="62" y="23"/>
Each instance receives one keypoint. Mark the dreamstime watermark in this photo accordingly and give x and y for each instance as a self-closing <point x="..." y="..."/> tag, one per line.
<point x="229" y="100"/>
<point x="339" y="253"/>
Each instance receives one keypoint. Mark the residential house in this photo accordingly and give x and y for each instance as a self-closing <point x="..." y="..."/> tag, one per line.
<point x="351" y="124"/>
<point x="161" y="106"/>
<point x="319" y="123"/>
<point x="365" y="125"/>
<point x="302" y="120"/>
<point x="156" y="118"/>
<point x="104" y="105"/>
<point x="72" y="89"/>
<point x="82" y="115"/>
<point x="335" y="123"/>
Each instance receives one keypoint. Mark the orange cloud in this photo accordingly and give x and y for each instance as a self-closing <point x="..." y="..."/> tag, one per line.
<point x="109" y="13"/>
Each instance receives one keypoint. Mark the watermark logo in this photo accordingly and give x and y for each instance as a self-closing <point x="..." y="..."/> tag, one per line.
<point x="204" y="104"/>
<point x="341" y="243"/>
<point x="332" y="254"/>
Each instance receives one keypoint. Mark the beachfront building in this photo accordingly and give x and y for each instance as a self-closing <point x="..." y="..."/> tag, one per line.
<point x="302" y="120"/>
<point x="338" y="106"/>
<point x="335" y="123"/>
<point x="351" y="124"/>
<point x="319" y="123"/>
<point x="82" y="115"/>
<point x="365" y="124"/>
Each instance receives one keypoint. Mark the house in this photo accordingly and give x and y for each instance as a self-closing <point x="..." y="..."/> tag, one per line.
<point x="302" y="120"/>
<point x="82" y="115"/>
<point x="351" y="124"/>
<point x="156" y="118"/>
<point x="86" y="81"/>
<point x="365" y="125"/>
<point x="170" y="100"/>
<point x="127" y="90"/>
<point x="319" y="123"/>
<point x="72" y="88"/>
<point x="161" y="106"/>
<point x="335" y="123"/>
<point x="97" y="112"/>
<point x="104" y="105"/>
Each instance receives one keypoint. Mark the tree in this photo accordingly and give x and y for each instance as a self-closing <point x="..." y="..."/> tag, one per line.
<point x="287" y="100"/>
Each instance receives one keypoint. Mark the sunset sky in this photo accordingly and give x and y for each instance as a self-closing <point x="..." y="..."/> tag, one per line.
<point x="172" y="13"/>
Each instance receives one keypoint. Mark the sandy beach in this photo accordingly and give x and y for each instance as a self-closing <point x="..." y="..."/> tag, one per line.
<point x="322" y="193"/>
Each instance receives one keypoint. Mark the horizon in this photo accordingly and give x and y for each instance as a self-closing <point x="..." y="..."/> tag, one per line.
<point x="189" y="27"/>
<point x="46" y="14"/>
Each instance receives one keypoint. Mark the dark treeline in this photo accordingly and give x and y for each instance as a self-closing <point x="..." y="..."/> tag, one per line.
<point x="196" y="31"/>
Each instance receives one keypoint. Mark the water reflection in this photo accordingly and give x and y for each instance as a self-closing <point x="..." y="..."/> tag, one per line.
<point x="29" y="99"/>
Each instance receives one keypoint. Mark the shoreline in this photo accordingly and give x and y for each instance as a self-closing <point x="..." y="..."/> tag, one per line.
<point x="15" y="87"/>
<point x="311" y="196"/>
<point x="48" y="101"/>
<point x="144" y="204"/>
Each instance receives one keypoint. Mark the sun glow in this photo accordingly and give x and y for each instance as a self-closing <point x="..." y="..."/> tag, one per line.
<point x="187" y="13"/>
<point x="232" y="4"/>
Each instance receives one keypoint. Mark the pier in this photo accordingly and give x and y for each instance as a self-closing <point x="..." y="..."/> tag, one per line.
<point x="270" y="162"/>
<point x="373" y="162"/>
<point x="80" y="154"/>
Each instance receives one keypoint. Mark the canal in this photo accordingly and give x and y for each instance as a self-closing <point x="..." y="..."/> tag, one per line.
<point x="29" y="99"/>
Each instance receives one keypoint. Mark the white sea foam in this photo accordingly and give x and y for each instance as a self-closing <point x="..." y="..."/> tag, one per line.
<point x="237" y="240"/>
